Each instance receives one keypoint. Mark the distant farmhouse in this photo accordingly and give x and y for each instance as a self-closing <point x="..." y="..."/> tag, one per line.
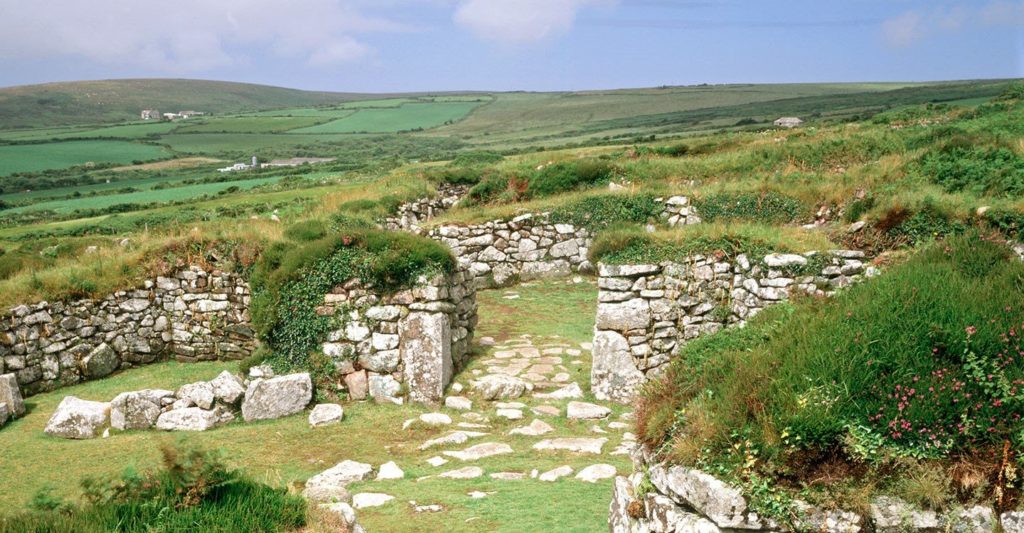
<point x="241" y="166"/>
<point x="788" y="122"/>
<point x="153" y="114"/>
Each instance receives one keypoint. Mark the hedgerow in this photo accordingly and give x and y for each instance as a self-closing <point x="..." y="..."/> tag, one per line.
<point x="291" y="278"/>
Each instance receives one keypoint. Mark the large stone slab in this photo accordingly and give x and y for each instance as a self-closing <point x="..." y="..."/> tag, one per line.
<point x="614" y="375"/>
<point x="480" y="451"/>
<point x="79" y="419"/>
<point x="576" y="445"/>
<point x="330" y="485"/>
<point x="267" y="399"/>
<point x="188" y="419"/>
<point x="137" y="409"/>
<point x="723" y="504"/>
<point x="100" y="362"/>
<point x="227" y="388"/>
<point x="325" y="414"/>
<point x="586" y="411"/>
<point x="426" y="351"/>
<point x="500" y="387"/>
<point x="10" y="395"/>
<point x="624" y="316"/>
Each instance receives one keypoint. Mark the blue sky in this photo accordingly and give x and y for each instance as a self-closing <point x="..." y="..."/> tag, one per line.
<point x="423" y="45"/>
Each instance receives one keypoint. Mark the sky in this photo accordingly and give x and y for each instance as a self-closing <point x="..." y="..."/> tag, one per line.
<point x="539" y="45"/>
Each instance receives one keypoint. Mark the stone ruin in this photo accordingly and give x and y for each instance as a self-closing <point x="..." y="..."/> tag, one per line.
<point x="646" y="312"/>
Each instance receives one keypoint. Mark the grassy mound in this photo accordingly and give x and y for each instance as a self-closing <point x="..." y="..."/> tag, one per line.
<point x="194" y="491"/>
<point x="914" y="376"/>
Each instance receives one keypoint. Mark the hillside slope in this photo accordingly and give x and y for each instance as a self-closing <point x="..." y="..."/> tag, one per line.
<point x="90" y="102"/>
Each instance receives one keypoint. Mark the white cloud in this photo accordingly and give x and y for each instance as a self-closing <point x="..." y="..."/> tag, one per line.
<point x="186" y="35"/>
<point x="911" y="27"/>
<point x="519" y="21"/>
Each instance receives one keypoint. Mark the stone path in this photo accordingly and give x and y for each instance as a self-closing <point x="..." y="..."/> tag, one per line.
<point x="523" y="398"/>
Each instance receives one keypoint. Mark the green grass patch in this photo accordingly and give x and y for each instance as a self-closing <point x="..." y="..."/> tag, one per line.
<point x="36" y="157"/>
<point x="406" y="117"/>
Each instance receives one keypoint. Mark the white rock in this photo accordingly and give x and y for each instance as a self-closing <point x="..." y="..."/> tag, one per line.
<point x="331" y="483"/>
<point x="370" y="499"/>
<point x="458" y="402"/>
<point x="227" y="388"/>
<point x="511" y="414"/>
<point x="10" y="395"/>
<point x="568" y="392"/>
<point x="537" y="427"/>
<point x="188" y="419"/>
<point x="435" y="419"/>
<point x="586" y="411"/>
<point x="595" y="473"/>
<point x="436" y="461"/>
<point x="343" y="510"/>
<point x="389" y="470"/>
<point x="78" y="419"/>
<point x="555" y="474"/>
<point x="476" y="494"/>
<point x="277" y="397"/>
<point x="500" y="387"/>
<point x="137" y="409"/>
<point x="577" y="445"/>
<point x="466" y="472"/>
<point x="508" y="476"/>
<point x="455" y="437"/>
<point x="784" y="260"/>
<point x="325" y="414"/>
<point x="200" y="393"/>
<point x="480" y="451"/>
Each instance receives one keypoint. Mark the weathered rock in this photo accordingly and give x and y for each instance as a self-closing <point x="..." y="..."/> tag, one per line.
<point x="537" y="427"/>
<point x="200" y="394"/>
<point x="10" y="395"/>
<point x="370" y="499"/>
<point x="586" y="411"/>
<point x="325" y="414"/>
<point x="977" y="519"/>
<point x="5" y="415"/>
<point x="810" y="518"/>
<point x="1013" y="522"/>
<point x="267" y="399"/>
<point x="568" y="392"/>
<point x="663" y="514"/>
<point x="595" y="473"/>
<point x="357" y="385"/>
<point x="466" y="472"/>
<point x="344" y="511"/>
<point x="508" y="476"/>
<point x="227" y="388"/>
<point x="78" y="419"/>
<point x="480" y="451"/>
<point x="500" y="387"/>
<point x="510" y="414"/>
<point x="458" y="402"/>
<point x="426" y="352"/>
<point x="100" y="362"/>
<point x="385" y="389"/>
<point x="138" y="409"/>
<point x="624" y="316"/>
<point x="188" y="419"/>
<point x="614" y="375"/>
<point x="330" y="484"/>
<point x="723" y="504"/>
<point x="555" y="474"/>
<point x="389" y="470"/>
<point x="577" y="445"/>
<point x="455" y="437"/>
<point x="893" y="515"/>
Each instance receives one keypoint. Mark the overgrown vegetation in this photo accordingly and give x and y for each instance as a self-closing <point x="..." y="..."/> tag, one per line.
<point x="195" y="490"/>
<point x="918" y="367"/>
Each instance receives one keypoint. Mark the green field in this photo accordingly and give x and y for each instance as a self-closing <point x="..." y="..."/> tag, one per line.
<point x="35" y="157"/>
<point x="243" y="124"/>
<point x="409" y="116"/>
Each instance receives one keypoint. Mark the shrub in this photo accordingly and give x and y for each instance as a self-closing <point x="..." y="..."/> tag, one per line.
<point x="569" y="176"/>
<point x="992" y="171"/>
<point x="307" y="230"/>
<point x="194" y="491"/>
<point x="598" y="212"/>
<point x="926" y="222"/>
<point x="289" y="282"/>
<point x="767" y="207"/>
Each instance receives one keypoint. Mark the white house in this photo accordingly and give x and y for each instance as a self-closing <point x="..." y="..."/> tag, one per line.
<point x="150" y="114"/>
<point x="788" y="122"/>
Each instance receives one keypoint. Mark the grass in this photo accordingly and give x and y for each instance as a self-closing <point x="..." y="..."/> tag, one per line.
<point x="36" y="157"/>
<point x="243" y="124"/>
<point x="406" y="117"/>
<point x="285" y="452"/>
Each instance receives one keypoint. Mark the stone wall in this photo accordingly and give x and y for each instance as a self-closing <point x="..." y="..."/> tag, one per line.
<point x="194" y="315"/>
<point x="413" y="339"/>
<point x="663" y="497"/>
<point x="411" y="215"/>
<point x="502" y="252"/>
<point x="645" y="312"/>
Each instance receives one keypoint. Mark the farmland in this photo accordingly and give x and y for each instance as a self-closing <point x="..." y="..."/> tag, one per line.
<point x="36" y="157"/>
<point x="405" y="117"/>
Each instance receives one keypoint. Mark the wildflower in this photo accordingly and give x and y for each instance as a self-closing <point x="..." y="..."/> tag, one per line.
<point x="971" y="330"/>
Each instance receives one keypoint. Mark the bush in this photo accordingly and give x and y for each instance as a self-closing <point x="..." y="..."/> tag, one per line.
<point x="767" y="207"/>
<point x="289" y="282"/>
<point x="195" y="491"/>
<point x="496" y="186"/>
<point x="598" y="212"/>
<point x="992" y="171"/>
<point x="307" y="230"/>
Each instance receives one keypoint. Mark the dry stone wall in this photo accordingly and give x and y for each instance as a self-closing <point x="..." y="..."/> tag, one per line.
<point x="193" y="315"/>
<point x="412" y="340"/>
<point x="411" y="215"/>
<point x="645" y="312"/>
<point x="664" y="497"/>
